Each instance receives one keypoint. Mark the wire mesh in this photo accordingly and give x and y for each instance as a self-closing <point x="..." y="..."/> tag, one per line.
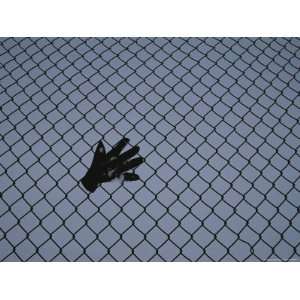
<point x="217" y="120"/>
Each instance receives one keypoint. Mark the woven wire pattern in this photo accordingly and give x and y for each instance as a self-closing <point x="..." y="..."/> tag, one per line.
<point x="217" y="120"/>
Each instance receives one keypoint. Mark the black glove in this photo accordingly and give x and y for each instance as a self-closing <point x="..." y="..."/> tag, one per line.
<point x="106" y="167"/>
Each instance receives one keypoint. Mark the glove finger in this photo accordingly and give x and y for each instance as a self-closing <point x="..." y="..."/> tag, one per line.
<point x="130" y="164"/>
<point x="100" y="148"/>
<point x="99" y="157"/>
<point x="112" y="163"/>
<point x="130" y="153"/>
<point x="131" y="177"/>
<point x="117" y="149"/>
<point x="100" y="154"/>
<point x="116" y="162"/>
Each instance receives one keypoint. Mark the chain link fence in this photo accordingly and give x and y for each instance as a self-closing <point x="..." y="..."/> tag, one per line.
<point x="217" y="120"/>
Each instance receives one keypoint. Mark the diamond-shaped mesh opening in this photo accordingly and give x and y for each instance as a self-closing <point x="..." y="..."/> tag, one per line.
<point x="217" y="120"/>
